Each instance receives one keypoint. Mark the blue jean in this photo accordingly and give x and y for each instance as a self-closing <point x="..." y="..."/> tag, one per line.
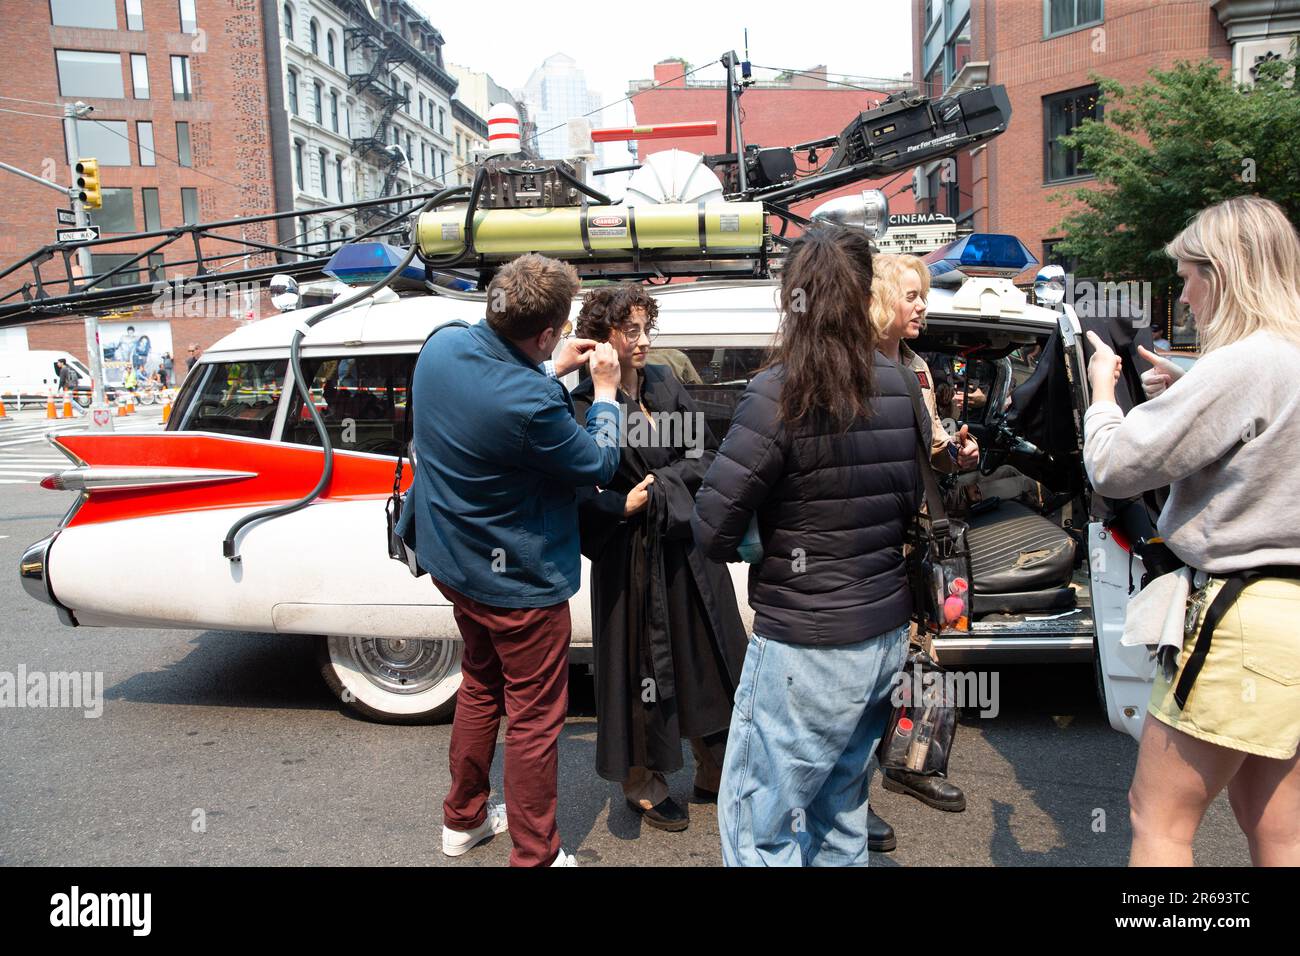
<point x="805" y="725"/>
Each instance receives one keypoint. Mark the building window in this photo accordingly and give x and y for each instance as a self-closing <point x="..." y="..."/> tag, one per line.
<point x="105" y="140"/>
<point x="293" y="92"/>
<point x="1052" y="256"/>
<point x="329" y="46"/>
<point x="458" y="154"/>
<point x="338" y="175"/>
<point x="410" y="153"/>
<point x="190" y="205"/>
<point x="297" y="162"/>
<point x="140" y="76"/>
<point x="181" y="87"/>
<point x="89" y="74"/>
<point x="144" y="140"/>
<point x="442" y="157"/>
<point x="157" y="267"/>
<point x="329" y="237"/>
<point x="134" y="15"/>
<point x="118" y="213"/>
<point x="189" y="21"/>
<point x="442" y="118"/>
<point x="1062" y="114"/>
<point x="1062" y="16"/>
<point x="421" y="107"/>
<point x="97" y="14"/>
<point x="324" y="178"/>
<point x="319" y="104"/>
<point x="184" y="155"/>
<point x="104" y="263"/>
<point x="334" y="110"/>
<point x="152" y="213"/>
<point x="288" y="22"/>
<point x="314" y="30"/>
<point x="406" y="93"/>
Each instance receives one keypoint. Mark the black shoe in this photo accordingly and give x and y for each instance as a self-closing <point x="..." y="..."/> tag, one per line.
<point x="880" y="835"/>
<point x="932" y="791"/>
<point x="705" y="796"/>
<point x="665" y="815"/>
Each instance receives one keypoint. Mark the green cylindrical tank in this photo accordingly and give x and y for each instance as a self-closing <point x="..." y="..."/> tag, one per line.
<point x="714" y="226"/>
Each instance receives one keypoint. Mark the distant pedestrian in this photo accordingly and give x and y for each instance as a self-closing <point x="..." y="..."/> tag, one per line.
<point x="193" y="357"/>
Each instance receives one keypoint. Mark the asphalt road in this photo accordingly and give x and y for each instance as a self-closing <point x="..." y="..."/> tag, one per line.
<point x="238" y="733"/>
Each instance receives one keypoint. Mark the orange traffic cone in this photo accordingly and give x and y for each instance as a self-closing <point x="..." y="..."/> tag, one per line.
<point x="167" y="407"/>
<point x="67" y="407"/>
<point x="50" y="411"/>
<point x="121" y="408"/>
<point x="2" y="406"/>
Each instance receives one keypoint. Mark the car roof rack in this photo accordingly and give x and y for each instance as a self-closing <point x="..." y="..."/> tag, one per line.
<point x="902" y="132"/>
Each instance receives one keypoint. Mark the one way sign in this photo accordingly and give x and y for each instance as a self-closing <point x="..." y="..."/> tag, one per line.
<point x="76" y="235"/>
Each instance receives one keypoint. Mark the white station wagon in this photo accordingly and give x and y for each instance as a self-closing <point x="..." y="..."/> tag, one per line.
<point x="1052" y="568"/>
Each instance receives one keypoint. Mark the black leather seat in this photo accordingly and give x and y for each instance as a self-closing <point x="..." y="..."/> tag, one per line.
<point x="1020" y="561"/>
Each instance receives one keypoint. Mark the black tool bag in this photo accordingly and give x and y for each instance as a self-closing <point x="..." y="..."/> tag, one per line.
<point x="400" y="518"/>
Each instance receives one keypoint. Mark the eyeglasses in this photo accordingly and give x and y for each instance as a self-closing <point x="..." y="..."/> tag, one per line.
<point x="634" y="333"/>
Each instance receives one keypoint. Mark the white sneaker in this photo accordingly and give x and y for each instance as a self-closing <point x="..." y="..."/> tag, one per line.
<point x="565" y="859"/>
<point x="460" y="842"/>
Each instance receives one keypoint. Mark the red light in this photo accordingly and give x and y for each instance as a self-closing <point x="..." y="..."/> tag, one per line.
<point x="1121" y="540"/>
<point x="52" y="483"/>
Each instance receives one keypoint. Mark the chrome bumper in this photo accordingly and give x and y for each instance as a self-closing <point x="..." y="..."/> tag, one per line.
<point x="34" y="574"/>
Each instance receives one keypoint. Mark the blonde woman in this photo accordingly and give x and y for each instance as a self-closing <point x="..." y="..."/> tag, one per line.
<point x="898" y="304"/>
<point x="1226" y="438"/>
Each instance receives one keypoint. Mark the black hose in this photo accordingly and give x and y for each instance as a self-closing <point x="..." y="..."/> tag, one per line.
<point x="228" y="548"/>
<point x="579" y="185"/>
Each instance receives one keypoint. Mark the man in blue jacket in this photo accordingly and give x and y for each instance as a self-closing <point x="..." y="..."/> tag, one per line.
<point x="498" y="456"/>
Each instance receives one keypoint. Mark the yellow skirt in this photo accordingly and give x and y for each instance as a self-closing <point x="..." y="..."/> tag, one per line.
<point x="1247" y="696"/>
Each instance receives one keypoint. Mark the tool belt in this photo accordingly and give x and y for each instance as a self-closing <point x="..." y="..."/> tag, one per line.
<point x="1233" y="584"/>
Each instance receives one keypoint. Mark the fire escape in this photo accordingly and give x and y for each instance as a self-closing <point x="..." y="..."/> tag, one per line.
<point x="371" y="43"/>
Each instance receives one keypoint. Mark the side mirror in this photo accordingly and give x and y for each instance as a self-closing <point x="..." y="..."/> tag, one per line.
<point x="284" y="293"/>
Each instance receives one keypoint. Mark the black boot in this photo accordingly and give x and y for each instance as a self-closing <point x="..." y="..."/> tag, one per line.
<point x="932" y="791"/>
<point x="665" y="815"/>
<point x="880" y="835"/>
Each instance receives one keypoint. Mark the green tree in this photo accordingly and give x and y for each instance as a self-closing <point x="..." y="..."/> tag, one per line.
<point x="1170" y="147"/>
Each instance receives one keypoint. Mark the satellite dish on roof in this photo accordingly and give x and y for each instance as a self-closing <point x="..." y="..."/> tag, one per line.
<point x="673" y="175"/>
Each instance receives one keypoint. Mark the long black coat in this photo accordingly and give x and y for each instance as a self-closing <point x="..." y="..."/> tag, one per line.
<point x="669" y="641"/>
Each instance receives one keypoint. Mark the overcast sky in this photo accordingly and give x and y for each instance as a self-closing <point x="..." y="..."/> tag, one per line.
<point x="617" y="43"/>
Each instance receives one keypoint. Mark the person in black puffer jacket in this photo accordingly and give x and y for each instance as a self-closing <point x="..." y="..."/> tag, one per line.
<point x="822" y="450"/>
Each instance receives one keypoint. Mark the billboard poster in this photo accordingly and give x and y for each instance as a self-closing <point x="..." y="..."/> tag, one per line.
<point x="140" y="345"/>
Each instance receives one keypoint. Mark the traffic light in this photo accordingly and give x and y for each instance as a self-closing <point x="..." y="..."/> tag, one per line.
<point x="88" y="183"/>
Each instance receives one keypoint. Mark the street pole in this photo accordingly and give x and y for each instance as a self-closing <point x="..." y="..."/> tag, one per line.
<point x="99" y="414"/>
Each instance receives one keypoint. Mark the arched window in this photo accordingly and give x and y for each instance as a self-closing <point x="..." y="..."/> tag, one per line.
<point x="288" y="22"/>
<point x="314" y="29"/>
<point x="329" y="47"/>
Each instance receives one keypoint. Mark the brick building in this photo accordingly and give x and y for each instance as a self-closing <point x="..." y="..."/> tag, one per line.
<point x="783" y="112"/>
<point x="180" y="129"/>
<point x="1046" y="53"/>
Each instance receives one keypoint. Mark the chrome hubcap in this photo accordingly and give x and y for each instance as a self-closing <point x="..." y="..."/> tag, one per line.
<point x="404" y="666"/>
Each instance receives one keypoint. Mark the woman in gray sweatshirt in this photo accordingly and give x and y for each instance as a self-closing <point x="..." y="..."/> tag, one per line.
<point x="1225" y="437"/>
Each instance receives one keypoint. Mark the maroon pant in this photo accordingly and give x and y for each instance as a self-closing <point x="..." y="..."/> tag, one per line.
<point x="515" y="664"/>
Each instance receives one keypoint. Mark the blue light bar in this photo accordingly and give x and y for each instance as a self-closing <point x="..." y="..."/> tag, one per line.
<point x="362" y="263"/>
<point x="980" y="254"/>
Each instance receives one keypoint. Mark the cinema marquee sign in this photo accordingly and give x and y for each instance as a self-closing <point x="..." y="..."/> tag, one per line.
<point x="917" y="233"/>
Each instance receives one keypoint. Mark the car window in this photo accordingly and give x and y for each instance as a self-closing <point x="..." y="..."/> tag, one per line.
<point x="714" y="377"/>
<point x="234" y="398"/>
<point x="362" y="400"/>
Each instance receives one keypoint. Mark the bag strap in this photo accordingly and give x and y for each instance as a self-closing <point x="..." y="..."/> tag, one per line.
<point x="408" y="428"/>
<point x="1233" y="585"/>
<point x="933" y="496"/>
